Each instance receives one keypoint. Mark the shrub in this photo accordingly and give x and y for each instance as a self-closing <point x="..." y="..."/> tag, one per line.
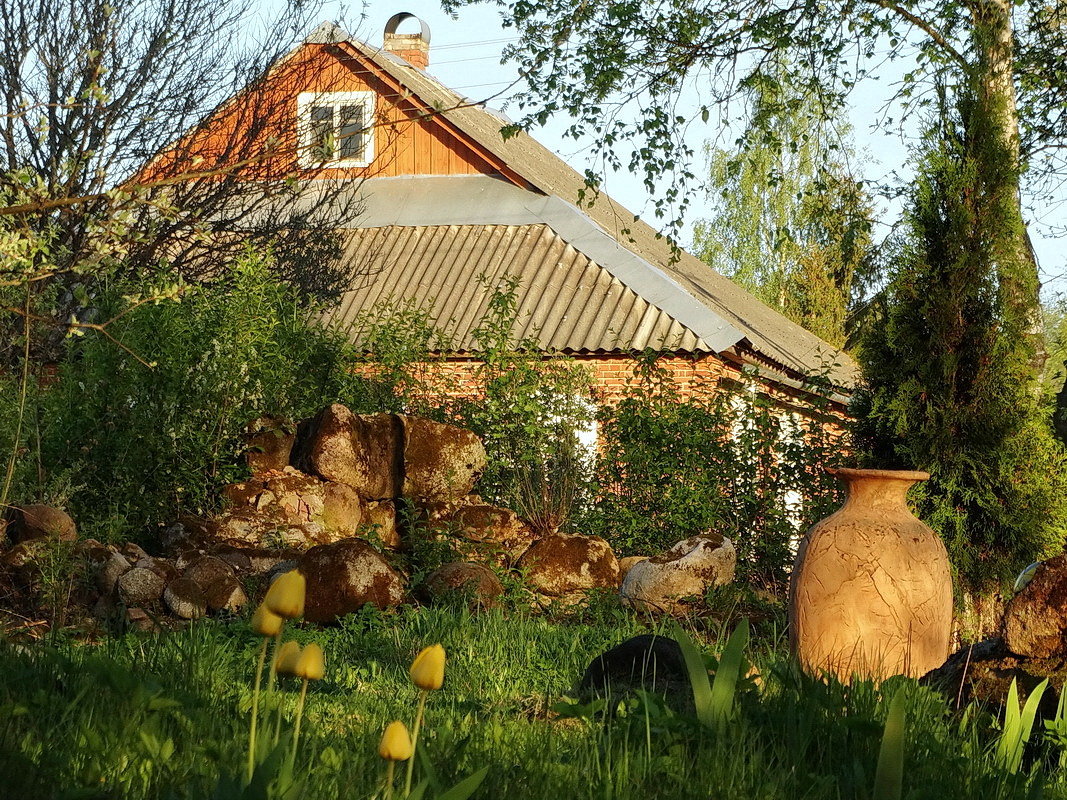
<point x="146" y="440"/>
<point x="727" y="460"/>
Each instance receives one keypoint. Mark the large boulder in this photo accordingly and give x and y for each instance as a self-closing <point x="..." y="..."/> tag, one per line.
<point x="381" y="523"/>
<point x="474" y="583"/>
<point x="1035" y="621"/>
<point x="560" y="564"/>
<point x="345" y="576"/>
<point x="627" y="563"/>
<point x="38" y="522"/>
<point x="688" y="569"/>
<point x="327" y="445"/>
<point x="185" y="599"/>
<point x="441" y="462"/>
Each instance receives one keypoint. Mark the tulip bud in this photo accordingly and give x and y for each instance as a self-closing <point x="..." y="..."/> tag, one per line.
<point x="285" y="597"/>
<point x="285" y="663"/>
<point x="396" y="743"/>
<point x="428" y="669"/>
<point x="312" y="663"/>
<point x="266" y="623"/>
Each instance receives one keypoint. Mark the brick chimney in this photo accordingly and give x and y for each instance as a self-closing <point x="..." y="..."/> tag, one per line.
<point x="412" y="47"/>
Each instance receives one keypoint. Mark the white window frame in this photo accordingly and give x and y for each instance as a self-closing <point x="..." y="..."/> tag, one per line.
<point x="305" y="101"/>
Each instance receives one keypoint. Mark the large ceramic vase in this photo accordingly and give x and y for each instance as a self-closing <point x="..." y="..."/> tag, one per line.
<point x="871" y="591"/>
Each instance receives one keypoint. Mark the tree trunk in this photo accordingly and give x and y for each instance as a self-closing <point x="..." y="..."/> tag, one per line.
<point x="995" y="131"/>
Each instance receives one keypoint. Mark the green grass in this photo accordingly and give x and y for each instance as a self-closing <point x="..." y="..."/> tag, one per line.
<point x="163" y="716"/>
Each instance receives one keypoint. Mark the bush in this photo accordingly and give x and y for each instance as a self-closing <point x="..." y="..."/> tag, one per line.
<point x="146" y="441"/>
<point x="728" y="460"/>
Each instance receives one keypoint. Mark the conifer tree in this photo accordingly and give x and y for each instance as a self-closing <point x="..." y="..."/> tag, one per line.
<point x="949" y="380"/>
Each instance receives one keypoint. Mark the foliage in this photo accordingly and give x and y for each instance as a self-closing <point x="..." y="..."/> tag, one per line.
<point x="728" y="460"/>
<point x="949" y="379"/>
<point x="790" y="223"/>
<point x="153" y="717"/>
<point x="149" y="439"/>
<point x="530" y="408"/>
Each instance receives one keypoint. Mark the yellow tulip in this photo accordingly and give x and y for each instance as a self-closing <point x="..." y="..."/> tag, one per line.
<point x="395" y="744"/>
<point x="266" y="623"/>
<point x="285" y="597"/>
<point x="312" y="663"/>
<point x="428" y="669"/>
<point x="285" y="663"/>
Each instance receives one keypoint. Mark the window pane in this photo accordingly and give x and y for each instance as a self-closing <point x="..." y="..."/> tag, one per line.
<point x="321" y="139"/>
<point x="351" y="133"/>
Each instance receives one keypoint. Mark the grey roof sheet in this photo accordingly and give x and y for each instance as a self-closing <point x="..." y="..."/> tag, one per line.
<point x="566" y="301"/>
<point x="770" y="335"/>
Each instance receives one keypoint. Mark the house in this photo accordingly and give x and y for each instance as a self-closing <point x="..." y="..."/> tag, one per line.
<point x="428" y="196"/>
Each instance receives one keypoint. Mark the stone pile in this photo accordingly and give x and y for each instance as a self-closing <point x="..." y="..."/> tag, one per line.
<point x="339" y="496"/>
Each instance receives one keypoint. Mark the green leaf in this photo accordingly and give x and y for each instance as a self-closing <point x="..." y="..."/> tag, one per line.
<point x="698" y="675"/>
<point x="889" y="777"/>
<point x="727" y="674"/>
<point x="466" y="787"/>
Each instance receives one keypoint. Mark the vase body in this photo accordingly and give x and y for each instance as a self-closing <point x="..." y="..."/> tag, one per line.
<point x="871" y="590"/>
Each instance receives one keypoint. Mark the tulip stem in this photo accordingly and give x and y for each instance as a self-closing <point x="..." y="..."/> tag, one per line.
<point x="415" y="740"/>
<point x="296" y="727"/>
<point x="272" y="679"/>
<point x="255" y="712"/>
<point x="389" y="780"/>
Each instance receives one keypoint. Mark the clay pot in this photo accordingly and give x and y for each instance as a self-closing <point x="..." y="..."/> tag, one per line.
<point x="871" y="591"/>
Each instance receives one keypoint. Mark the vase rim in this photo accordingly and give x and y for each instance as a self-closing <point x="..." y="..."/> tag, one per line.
<point x="911" y="475"/>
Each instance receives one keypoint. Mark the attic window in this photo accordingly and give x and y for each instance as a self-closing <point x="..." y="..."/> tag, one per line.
<point x="335" y="128"/>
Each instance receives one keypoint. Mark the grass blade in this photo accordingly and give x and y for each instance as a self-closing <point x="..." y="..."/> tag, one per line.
<point x="889" y="778"/>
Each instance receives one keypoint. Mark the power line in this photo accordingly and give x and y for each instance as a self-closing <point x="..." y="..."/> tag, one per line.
<point x="461" y="60"/>
<point x="475" y="44"/>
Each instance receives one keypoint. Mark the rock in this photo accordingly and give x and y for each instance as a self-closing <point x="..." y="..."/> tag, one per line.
<point x="984" y="671"/>
<point x="475" y="583"/>
<point x="39" y="521"/>
<point x="133" y="552"/>
<point x="498" y="530"/>
<point x="188" y="533"/>
<point x="185" y="599"/>
<point x="139" y="619"/>
<point x="109" y="572"/>
<point x="140" y="587"/>
<point x="382" y="440"/>
<point x="560" y="564"/>
<point x="1035" y="621"/>
<point x="269" y="442"/>
<point x="295" y="508"/>
<point x="225" y="594"/>
<point x="441" y="462"/>
<point x="626" y="563"/>
<point x="381" y="519"/>
<point x="652" y="663"/>
<point x="688" y="569"/>
<point x="24" y="553"/>
<point x="257" y="560"/>
<point x="163" y="568"/>
<point x="207" y="570"/>
<point x="328" y="445"/>
<point x="345" y="576"/>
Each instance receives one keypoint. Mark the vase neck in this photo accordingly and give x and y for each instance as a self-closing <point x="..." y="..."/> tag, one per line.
<point x="878" y="488"/>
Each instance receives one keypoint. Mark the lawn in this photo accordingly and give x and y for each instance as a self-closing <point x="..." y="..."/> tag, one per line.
<point x="162" y="716"/>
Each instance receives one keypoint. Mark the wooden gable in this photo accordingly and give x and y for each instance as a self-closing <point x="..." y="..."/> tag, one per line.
<point x="254" y="134"/>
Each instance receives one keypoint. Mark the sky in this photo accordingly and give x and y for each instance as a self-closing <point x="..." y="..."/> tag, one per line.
<point x="465" y="55"/>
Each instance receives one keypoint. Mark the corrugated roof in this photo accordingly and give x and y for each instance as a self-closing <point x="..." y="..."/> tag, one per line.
<point x="566" y="301"/>
<point x="767" y="332"/>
